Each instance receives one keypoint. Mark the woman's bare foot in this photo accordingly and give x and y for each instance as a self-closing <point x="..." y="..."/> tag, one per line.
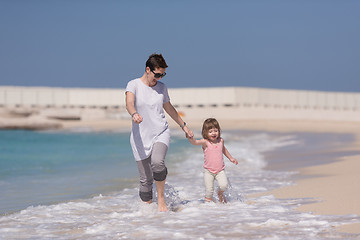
<point x="222" y="198"/>
<point x="160" y="185"/>
<point x="162" y="205"/>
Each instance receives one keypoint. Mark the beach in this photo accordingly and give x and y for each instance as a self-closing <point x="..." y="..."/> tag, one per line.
<point x="323" y="178"/>
<point x="46" y="190"/>
<point x="334" y="185"/>
<point x="280" y="78"/>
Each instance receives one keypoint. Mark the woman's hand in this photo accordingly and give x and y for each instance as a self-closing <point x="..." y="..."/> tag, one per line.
<point x="137" y="118"/>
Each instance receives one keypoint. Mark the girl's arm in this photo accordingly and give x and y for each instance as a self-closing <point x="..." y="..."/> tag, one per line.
<point x="169" y="108"/>
<point x="228" y="155"/>
<point x="193" y="141"/>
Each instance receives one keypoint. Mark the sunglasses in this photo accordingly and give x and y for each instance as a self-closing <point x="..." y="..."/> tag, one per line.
<point x="158" y="75"/>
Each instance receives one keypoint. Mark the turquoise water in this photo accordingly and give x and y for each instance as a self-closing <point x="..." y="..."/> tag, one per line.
<point x="47" y="167"/>
<point x="50" y="166"/>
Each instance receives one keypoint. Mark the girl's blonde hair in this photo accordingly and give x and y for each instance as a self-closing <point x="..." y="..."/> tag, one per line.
<point x="208" y="124"/>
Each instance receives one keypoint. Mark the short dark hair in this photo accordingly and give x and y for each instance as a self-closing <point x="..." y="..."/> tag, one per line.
<point x="210" y="123"/>
<point x="155" y="61"/>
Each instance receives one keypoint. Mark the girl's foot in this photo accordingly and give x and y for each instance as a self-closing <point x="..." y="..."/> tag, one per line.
<point x="222" y="198"/>
<point x="208" y="199"/>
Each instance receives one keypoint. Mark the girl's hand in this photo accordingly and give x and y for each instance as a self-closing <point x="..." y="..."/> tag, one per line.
<point x="234" y="161"/>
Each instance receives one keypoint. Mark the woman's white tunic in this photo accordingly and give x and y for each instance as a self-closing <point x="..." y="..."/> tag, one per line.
<point x="154" y="127"/>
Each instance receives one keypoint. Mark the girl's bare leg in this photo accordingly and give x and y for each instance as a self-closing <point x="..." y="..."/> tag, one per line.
<point x="222" y="198"/>
<point x="160" y="186"/>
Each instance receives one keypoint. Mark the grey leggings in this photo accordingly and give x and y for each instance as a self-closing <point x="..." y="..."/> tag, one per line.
<point x="150" y="169"/>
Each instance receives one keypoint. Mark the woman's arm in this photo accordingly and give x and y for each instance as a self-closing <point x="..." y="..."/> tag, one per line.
<point x="169" y="108"/>
<point x="130" y="107"/>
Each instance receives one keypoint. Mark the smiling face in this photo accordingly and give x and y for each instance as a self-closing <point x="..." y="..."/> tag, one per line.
<point x="151" y="76"/>
<point x="213" y="134"/>
<point x="211" y="130"/>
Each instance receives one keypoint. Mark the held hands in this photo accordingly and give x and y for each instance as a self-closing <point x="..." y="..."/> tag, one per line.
<point x="190" y="138"/>
<point x="188" y="132"/>
<point x="187" y="136"/>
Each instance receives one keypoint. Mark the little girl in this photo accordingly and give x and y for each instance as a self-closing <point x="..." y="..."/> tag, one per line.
<point x="214" y="148"/>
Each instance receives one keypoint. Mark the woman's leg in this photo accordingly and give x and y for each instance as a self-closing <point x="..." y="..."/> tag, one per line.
<point x="158" y="161"/>
<point x="159" y="172"/>
<point x="146" y="180"/>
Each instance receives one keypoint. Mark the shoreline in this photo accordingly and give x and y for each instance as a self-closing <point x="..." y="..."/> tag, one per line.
<point x="331" y="181"/>
<point x="333" y="187"/>
<point x="333" y="184"/>
<point x="337" y="179"/>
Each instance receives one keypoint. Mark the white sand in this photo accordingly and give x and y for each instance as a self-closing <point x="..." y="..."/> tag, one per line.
<point x="335" y="185"/>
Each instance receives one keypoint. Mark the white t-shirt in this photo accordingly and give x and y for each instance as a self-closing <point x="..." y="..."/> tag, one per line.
<point x="154" y="127"/>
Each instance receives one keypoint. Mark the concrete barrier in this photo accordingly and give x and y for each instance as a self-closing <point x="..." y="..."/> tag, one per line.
<point x="237" y="98"/>
<point x="60" y="97"/>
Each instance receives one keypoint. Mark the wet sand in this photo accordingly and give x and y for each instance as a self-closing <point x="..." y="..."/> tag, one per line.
<point x="329" y="175"/>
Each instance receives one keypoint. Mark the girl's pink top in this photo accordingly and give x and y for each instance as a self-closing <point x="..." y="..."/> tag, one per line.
<point x="213" y="156"/>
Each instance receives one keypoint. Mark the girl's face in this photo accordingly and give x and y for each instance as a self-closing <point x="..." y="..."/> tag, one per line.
<point x="213" y="134"/>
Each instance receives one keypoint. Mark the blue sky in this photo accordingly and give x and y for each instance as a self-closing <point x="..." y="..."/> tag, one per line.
<point x="308" y="45"/>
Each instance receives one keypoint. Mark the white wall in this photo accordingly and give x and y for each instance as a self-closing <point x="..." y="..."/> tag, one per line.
<point x="182" y="97"/>
<point x="60" y="97"/>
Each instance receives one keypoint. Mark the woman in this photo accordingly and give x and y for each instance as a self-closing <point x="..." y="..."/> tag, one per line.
<point x="146" y="99"/>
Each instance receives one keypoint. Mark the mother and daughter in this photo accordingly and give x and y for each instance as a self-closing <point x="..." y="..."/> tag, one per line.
<point x="146" y="99"/>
